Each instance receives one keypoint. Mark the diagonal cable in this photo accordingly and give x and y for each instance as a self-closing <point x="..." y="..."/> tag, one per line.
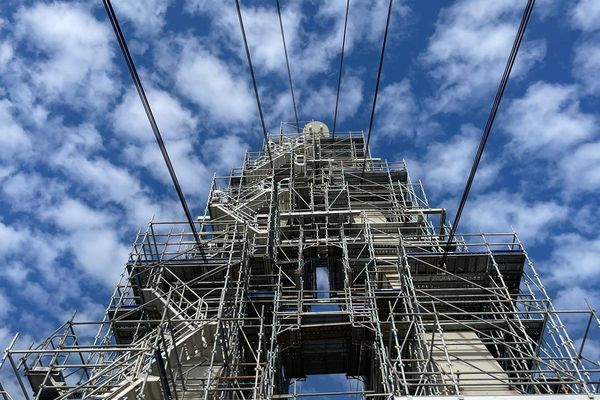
<point x="371" y="119"/>
<point x="260" y="112"/>
<point x="159" y="140"/>
<point x="339" y="84"/>
<point x="287" y="62"/>
<point x="275" y="197"/>
<point x="490" y="121"/>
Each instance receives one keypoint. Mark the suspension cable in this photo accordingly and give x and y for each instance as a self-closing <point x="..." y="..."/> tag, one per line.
<point x="274" y="196"/>
<point x="260" y="112"/>
<point x="490" y="121"/>
<point x="385" y="34"/>
<point x="287" y="62"/>
<point x="339" y="84"/>
<point x="159" y="140"/>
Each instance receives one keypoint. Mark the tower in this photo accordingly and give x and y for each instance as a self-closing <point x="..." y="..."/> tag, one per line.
<point x="317" y="259"/>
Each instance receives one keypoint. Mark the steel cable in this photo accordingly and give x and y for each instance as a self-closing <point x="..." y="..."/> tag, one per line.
<point x="260" y="112"/>
<point x="159" y="140"/>
<point x="490" y="121"/>
<point x="372" y="118"/>
<point x="339" y="84"/>
<point x="287" y="62"/>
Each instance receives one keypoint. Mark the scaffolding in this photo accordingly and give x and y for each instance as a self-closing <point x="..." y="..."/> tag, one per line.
<point x="325" y="261"/>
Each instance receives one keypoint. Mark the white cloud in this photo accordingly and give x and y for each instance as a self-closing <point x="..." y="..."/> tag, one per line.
<point x="264" y="34"/>
<point x="173" y="119"/>
<point x="399" y="114"/>
<point x="281" y="108"/>
<point x="575" y="260"/>
<point x="7" y="52"/>
<point x="83" y="236"/>
<point x="320" y="102"/>
<point x="192" y="174"/>
<point x="5" y="338"/>
<point x="115" y="183"/>
<point x="366" y="20"/>
<point x="211" y="84"/>
<point x="445" y="166"/>
<point x="11" y="239"/>
<point x="76" y="62"/>
<point x="570" y="297"/>
<point x="87" y="310"/>
<point x="226" y="152"/>
<point x="26" y="191"/>
<point x="313" y="41"/>
<point x="147" y="16"/>
<point x="586" y="15"/>
<point x="581" y="168"/>
<point x="100" y="253"/>
<point x="39" y="295"/>
<point x="499" y="211"/>
<point x="573" y="297"/>
<point x="5" y="306"/>
<point x="91" y="237"/>
<point x="14" y="142"/>
<point x="72" y="214"/>
<point x="468" y="51"/>
<point x="88" y="234"/>
<point x="179" y="130"/>
<point x="110" y="183"/>
<point x="41" y="251"/>
<point x="547" y="120"/>
<point x="80" y="157"/>
<point x="586" y="65"/>
<point x="16" y="273"/>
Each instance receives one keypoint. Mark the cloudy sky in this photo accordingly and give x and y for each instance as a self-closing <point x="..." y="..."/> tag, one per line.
<point x="80" y="172"/>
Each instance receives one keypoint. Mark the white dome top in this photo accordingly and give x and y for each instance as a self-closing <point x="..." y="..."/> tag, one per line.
<point x="316" y="128"/>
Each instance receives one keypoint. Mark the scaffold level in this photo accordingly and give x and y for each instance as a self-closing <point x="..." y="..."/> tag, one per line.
<point x="320" y="260"/>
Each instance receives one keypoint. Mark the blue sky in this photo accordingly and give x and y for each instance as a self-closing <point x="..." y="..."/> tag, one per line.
<point x="80" y="172"/>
